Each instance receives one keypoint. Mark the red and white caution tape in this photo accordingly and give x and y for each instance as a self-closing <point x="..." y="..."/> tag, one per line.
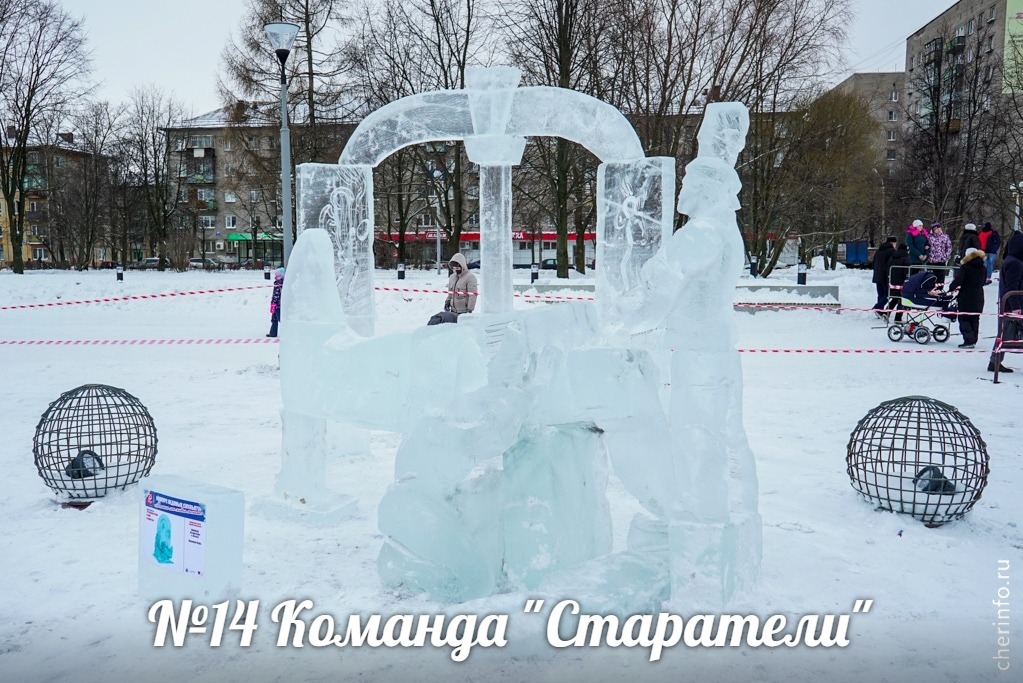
<point x="852" y="352"/>
<point x="274" y="340"/>
<point x="137" y="342"/>
<point x="133" y="297"/>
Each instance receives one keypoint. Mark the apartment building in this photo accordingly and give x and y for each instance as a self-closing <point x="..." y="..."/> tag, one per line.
<point x="51" y="165"/>
<point x="884" y="94"/>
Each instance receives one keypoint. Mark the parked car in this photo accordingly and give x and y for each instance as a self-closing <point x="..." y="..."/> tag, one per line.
<point x="474" y="265"/>
<point x="151" y="263"/>
<point x="549" y="264"/>
<point x="205" y="264"/>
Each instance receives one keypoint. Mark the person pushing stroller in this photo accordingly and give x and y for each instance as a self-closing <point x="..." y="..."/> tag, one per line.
<point x="923" y="289"/>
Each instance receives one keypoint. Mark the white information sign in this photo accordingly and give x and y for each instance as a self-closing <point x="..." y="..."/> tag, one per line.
<point x="174" y="533"/>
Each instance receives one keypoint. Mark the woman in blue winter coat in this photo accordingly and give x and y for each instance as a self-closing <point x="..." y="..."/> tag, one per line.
<point x="916" y="240"/>
<point x="275" y="302"/>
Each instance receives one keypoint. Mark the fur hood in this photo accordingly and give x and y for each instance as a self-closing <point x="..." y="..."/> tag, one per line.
<point x="972" y="254"/>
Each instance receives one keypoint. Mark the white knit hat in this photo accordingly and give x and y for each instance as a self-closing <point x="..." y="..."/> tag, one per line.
<point x="971" y="227"/>
<point x="918" y="223"/>
<point x="972" y="251"/>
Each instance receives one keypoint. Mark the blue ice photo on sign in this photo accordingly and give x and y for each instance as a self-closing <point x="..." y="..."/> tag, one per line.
<point x="163" y="551"/>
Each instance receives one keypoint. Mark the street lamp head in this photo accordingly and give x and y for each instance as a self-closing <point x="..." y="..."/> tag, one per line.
<point x="282" y="37"/>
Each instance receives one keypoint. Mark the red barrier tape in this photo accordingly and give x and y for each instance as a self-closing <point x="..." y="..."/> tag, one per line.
<point x="133" y="297"/>
<point x="275" y="340"/>
<point x="415" y="290"/>
<point x="136" y="342"/>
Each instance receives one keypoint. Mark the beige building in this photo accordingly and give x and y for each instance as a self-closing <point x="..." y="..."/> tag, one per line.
<point x="884" y="93"/>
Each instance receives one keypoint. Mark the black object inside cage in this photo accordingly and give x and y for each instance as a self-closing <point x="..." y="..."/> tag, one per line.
<point x="920" y="457"/>
<point x="94" y="439"/>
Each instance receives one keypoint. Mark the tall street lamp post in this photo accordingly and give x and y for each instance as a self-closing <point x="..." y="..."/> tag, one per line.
<point x="282" y="38"/>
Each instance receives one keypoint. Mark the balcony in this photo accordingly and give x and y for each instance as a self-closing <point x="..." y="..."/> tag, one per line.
<point x="203" y="178"/>
<point x="956" y="45"/>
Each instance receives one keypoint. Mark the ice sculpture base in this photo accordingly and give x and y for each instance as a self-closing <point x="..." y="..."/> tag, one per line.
<point x="711" y="562"/>
<point x="325" y="511"/>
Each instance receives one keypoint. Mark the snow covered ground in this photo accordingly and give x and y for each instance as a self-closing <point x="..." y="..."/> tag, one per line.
<point x="69" y="609"/>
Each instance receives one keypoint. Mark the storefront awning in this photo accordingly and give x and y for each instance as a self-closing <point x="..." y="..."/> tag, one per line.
<point x="247" y="237"/>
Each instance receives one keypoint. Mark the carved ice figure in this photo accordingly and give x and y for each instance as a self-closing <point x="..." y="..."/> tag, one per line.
<point x="511" y="417"/>
<point x="339" y="200"/>
<point x="715" y="536"/>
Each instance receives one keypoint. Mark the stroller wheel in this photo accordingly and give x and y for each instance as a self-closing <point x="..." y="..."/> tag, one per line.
<point x="921" y="335"/>
<point x="895" y="332"/>
<point x="940" y="333"/>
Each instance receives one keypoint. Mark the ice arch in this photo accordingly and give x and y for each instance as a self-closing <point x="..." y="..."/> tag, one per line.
<point x="493" y="117"/>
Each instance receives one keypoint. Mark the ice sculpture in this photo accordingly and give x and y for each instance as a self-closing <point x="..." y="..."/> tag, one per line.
<point x="715" y="532"/>
<point x="338" y="199"/>
<point x="493" y="117"/>
<point x="311" y="315"/>
<point x="512" y="420"/>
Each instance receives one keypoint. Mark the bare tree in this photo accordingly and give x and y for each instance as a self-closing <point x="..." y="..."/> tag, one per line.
<point x="82" y="194"/>
<point x="160" y="171"/>
<point x="43" y="64"/>
<point x="315" y="69"/>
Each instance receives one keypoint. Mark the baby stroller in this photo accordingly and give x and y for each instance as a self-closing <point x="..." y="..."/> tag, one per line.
<point x="924" y="318"/>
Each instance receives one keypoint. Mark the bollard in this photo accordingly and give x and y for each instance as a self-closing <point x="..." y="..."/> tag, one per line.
<point x="801" y="277"/>
<point x="534" y="272"/>
<point x="120" y="274"/>
<point x="401" y="271"/>
<point x="266" y="272"/>
<point x="753" y="266"/>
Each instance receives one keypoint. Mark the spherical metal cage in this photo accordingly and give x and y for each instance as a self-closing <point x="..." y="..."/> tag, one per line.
<point x="94" y="439"/>
<point x="920" y="457"/>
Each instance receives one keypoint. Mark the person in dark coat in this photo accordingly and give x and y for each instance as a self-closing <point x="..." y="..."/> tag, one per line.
<point x="968" y="240"/>
<point x="969" y="283"/>
<point x="916" y="240"/>
<point x="1010" y="279"/>
<point x="882" y="262"/>
<point x="922" y="289"/>
<point x="275" y="302"/>
<point x="897" y="272"/>
<point x="990" y="243"/>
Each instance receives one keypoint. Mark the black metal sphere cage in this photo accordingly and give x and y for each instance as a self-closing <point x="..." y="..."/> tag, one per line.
<point x="94" y="439"/>
<point x="920" y="457"/>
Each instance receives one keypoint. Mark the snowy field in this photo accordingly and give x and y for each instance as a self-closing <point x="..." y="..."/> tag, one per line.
<point x="69" y="609"/>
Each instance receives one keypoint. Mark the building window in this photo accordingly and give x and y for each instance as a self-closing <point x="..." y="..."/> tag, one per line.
<point x="230" y="221"/>
<point x="891" y="136"/>
<point x="230" y="197"/>
<point x="893" y="115"/>
<point x="971" y="27"/>
<point x="205" y="194"/>
<point x="969" y="56"/>
<point x="988" y="72"/>
<point x="38" y="254"/>
<point x="894" y="97"/>
<point x="253" y="196"/>
<point x="890" y="156"/>
<point x="201" y="141"/>
<point x="990" y="43"/>
<point x="991" y="14"/>
<point x="227" y="144"/>
<point x="35" y="206"/>
<point x="960" y="30"/>
<point x="182" y="194"/>
<point x="207" y="222"/>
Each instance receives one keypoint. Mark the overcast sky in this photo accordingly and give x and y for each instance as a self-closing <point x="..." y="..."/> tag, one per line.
<point x="176" y="44"/>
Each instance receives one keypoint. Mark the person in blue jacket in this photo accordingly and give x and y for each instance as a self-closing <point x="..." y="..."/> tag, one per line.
<point x="916" y="240"/>
<point x="275" y="302"/>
